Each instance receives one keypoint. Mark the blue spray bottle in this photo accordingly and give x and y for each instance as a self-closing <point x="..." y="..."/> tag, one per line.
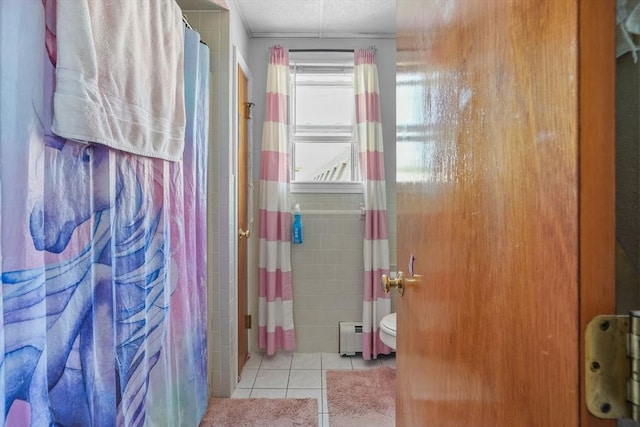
<point x="296" y="228"/>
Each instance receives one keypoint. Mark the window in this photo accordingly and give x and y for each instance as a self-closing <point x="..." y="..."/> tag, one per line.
<point x="324" y="150"/>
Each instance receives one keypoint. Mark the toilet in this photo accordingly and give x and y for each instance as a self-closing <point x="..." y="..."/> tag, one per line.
<point x="388" y="330"/>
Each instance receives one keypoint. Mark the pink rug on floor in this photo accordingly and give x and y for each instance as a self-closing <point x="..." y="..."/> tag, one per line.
<point x="362" y="398"/>
<point x="261" y="413"/>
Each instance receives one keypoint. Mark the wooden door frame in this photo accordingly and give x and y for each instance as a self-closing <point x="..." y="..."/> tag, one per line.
<point x="239" y="62"/>
<point x="596" y="118"/>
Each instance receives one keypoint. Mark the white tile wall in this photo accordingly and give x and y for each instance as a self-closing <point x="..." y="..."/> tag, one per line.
<point x="213" y="27"/>
<point x="327" y="270"/>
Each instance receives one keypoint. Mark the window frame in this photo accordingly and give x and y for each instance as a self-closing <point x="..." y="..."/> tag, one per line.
<point x="329" y="63"/>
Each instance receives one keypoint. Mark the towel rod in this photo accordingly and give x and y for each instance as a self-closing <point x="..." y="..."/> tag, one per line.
<point x="320" y="50"/>
<point x="186" y="23"/>
<point x="332" y="212"/>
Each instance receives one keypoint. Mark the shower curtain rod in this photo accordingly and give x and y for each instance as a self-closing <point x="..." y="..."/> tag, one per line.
<point x="321" y="50"/>
<point x="186" y="23"/>
<point x="330" y="50"/>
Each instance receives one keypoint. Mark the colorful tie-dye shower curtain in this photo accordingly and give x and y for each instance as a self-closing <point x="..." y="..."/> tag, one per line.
<point x="376" y="244"/>
<point x="102" y="255"/>
<point x="275" y="291"/>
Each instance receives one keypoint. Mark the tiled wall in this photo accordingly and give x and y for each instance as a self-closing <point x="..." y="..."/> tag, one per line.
<point x="327" y="268"/>
<point x="213" y="27"/>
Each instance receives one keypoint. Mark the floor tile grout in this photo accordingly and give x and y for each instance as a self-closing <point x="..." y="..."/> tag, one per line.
<point x="324" y="365"/>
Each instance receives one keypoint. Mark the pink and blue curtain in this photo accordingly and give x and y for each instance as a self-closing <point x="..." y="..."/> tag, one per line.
<point x="275" y="293"/>
<point x="102" y="254"/>
<point x="376" y="244"/>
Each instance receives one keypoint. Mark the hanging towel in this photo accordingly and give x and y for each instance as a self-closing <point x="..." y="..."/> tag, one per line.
<point x="119" y="75"/>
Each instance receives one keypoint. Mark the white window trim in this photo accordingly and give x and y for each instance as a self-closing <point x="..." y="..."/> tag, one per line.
<point x="338" y="187"/>
<point x="326" y="187"/>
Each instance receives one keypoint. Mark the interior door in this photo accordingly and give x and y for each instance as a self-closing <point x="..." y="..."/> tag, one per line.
<point x="505" y="201"/>
<point x="243" y="226"/>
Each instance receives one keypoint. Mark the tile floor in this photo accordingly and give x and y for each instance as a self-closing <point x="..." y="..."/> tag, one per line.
<point x="299" y="375"/>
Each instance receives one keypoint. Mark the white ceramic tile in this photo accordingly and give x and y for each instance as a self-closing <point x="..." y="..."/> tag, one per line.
<point x="210" y="21"/>
<point x="247" y="378"/>
<point x="359" y="363"/>
<point x="306" y="317"/>
<point x="241" y="393"/>
<point x="217" y="380"/>
<point x="325" y="420"/>
<point x="306" y="361"/>
<point x="225" y="24"/>
<point x="389" y="361"/>
<point x="305" y="378"/>
<point x="348" y="302"/>
<point x="193" y="18"/>
<point x="335" y="361"/>
<point x="325" y="406"/>
<point x="270" y="393"/>
<point x="207" y="37"/>
<point x="225" y="384"/>
<point x="214" y="359"/>
<point x="254" y="361"/>
<point x="277" y="361"/>
<point x="272" y="378"/>
<point x="330" y="333"/>
<point x="303" y="393"/>
<point x="324" y="378"/>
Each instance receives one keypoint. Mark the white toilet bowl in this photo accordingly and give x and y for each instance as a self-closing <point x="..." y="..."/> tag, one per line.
<point x="388" y="330"/>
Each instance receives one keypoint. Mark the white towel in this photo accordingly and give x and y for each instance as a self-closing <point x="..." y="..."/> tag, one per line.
<point x="119" y="75"/>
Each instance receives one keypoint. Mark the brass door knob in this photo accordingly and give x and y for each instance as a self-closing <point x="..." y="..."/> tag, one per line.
<point x="244" y="233"/>
<point x="387" y="283"/>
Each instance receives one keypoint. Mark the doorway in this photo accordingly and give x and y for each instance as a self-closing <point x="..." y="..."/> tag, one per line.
<point x="243" y="117"/>
<point x="627" y="183"/>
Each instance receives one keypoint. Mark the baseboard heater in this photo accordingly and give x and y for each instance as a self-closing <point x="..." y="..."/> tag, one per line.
<point x="350" y="338"/>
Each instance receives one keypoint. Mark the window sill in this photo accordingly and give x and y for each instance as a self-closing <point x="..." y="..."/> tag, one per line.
<point x="326" y="187"/>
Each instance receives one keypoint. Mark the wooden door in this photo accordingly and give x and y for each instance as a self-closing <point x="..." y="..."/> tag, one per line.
<point x="243" y="226"/>
<point x="505" y="199"/>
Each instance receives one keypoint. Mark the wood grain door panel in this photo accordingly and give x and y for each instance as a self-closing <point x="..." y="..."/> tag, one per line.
<point x="489" y="144"/>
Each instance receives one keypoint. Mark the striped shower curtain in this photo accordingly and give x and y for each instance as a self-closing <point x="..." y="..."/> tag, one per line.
<point x="376" y="245"/>
<point x="275" y="294"/>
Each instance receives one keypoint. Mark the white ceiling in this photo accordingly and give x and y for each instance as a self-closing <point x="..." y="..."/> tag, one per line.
<point x="311" y="18"/>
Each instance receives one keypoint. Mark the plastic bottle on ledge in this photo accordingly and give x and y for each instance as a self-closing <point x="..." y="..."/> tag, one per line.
<point x="296" y="229"/>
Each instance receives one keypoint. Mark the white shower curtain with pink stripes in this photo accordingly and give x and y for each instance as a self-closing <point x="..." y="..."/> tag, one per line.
<point x="376" y="303"/>
<point x="275" y="294"/>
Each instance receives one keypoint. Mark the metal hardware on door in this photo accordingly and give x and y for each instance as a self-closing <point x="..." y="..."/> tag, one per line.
<point x="612" y="366"/>
<point x="388" y="283"/>
<point x="243" y="233"/>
